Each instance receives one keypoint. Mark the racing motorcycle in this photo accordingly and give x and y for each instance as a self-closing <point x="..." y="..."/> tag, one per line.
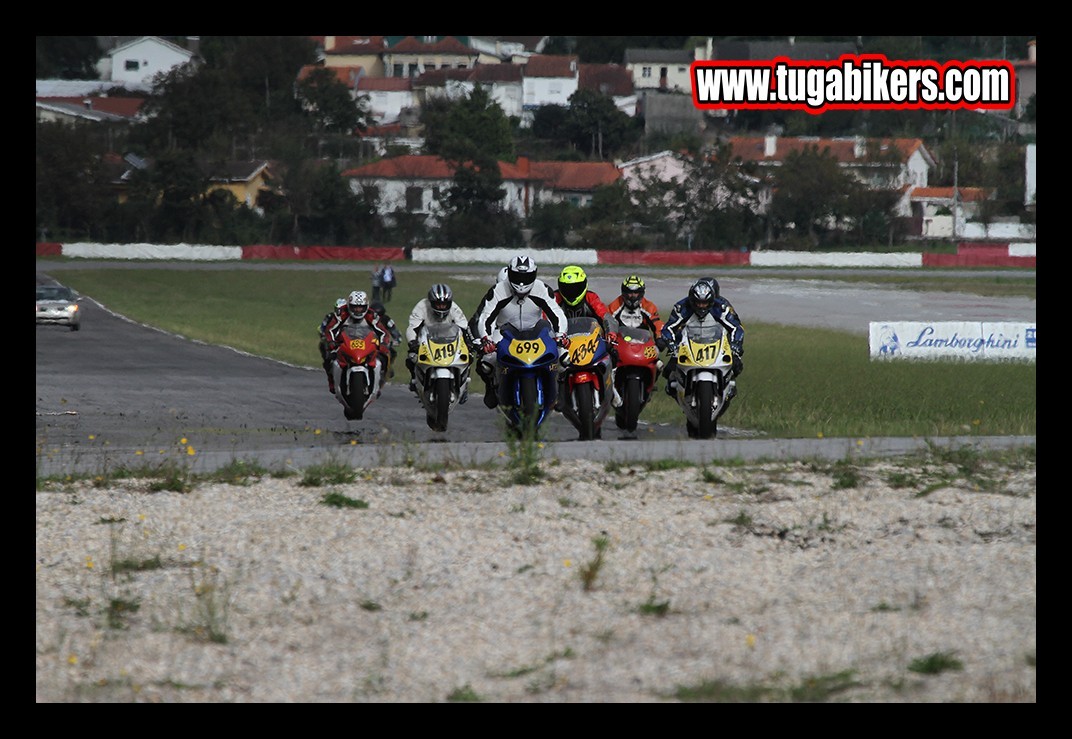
<point x="441" y="371"/>
<point x="359" y="368"/>
<point x="635" y="374"/>
<point x="704" y="377"/>
<point x="527" y="380"/>
<point x="586" y="390"/>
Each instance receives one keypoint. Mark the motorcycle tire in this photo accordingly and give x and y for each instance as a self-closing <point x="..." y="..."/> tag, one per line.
<point x="529" y="410"/>
<point x="706" y="426"/>
<point x="355" y="397"/>
<point x="632" y="402"/>
<point x="437" y="419"/>
<point x="586" y="426"/>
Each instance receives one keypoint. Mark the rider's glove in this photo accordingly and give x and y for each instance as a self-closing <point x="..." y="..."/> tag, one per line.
<point x="487" y="346"/>
<point x="612" y="339"/>
<point x="738" y="366"/>
<point x="661" y="344"/>
<point x="562" y="340"/>
<point x="413" y="347"/>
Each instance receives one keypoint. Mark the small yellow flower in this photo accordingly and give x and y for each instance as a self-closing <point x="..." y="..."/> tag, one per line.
<point x="141" y="516"/>
<point x="138" y="453"/>
<point x="92" y="437"/>
<point x="89" y="563"/>
<point x="190" y="451"/>
<point x="72" y="659"/>
<point x="859" y="442"/>
<point x="976" y="422"/>
<point x="820" y="434"/>
<point x="316" y="433"/>
<point x="709" y="497"/>
<point x="182" y="547"/>
<point x="353" y="442"/>
<point x="539" y="445"/>
<point x="750" y="640"/>
<point x="568" y="563"/>
<point x="183" y="441"/>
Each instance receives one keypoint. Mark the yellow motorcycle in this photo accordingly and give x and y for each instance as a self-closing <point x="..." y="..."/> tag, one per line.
<point x="441" y="371"/>
<point x="704" y="377"/>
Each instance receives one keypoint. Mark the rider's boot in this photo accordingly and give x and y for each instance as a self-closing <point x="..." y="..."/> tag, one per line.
<point x="486" y="374"/>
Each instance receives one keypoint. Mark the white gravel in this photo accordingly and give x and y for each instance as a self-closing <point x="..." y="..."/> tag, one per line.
<point x="776" y="586"/>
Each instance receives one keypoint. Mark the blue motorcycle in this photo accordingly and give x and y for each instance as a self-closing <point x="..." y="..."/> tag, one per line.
<point x="528" y="371"/>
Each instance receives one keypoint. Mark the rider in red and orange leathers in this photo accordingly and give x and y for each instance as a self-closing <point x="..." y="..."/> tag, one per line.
<point x="356" y="310"/>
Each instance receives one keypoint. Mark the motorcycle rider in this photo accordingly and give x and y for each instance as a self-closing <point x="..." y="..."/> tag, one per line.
<point x="323" y="343"/>
<point x="578" y="301"/>
<point x="704" y="300"/>
<point x="356" y="311"/>
<point x="392" y="328"/>
<point x="520" y="299"/>
<point x="437" y="308"/>
<point x="632" y="309"/>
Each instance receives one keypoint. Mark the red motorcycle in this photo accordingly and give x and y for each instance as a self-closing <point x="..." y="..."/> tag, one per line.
<point x="586" y="395"/>
<point x="635" y="374"/>
<point x="360" y="368"/>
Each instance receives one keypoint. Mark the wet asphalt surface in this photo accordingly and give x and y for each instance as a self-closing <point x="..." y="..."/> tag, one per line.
<point x="118" y="394"/>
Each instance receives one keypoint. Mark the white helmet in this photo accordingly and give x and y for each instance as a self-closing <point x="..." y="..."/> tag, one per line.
<point x="357" y="302"/>
<point x="340" y="303"/>
<point x="521" y="272"/>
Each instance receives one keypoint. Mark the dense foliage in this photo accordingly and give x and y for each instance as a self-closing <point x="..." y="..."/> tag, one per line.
<point x="245" y="102"/>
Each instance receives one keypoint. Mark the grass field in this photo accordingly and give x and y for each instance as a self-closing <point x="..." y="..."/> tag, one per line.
<point x="798" y="383"/>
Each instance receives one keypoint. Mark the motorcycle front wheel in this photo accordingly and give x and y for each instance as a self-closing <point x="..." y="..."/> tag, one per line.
<point x="706" y="426"/>
<point x="355" y="397"/>
<point x="586" y="425"/>
<point x="632" y="402"/>
<point x="440" y="406"/>
<point x="528" y="410"/>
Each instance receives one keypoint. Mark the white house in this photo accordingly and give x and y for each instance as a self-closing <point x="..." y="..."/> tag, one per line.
<point x="660" y="69"/>
<point x="880" y="163"/>
<point x="387" y="96"/>
<point x="415" y="183"/>
<point x="135" y="63"/>
<point x="549" y="80"/>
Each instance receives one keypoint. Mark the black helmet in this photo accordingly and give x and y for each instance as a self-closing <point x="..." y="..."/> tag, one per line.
<point x="632" y="291"/>
<point x="714" y="285"/>
<point x="440" y="298"/>
<point x="701" y="298"/>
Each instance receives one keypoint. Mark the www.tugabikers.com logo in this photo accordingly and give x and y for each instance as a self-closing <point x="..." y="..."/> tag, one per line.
<point x="853" y="82"/>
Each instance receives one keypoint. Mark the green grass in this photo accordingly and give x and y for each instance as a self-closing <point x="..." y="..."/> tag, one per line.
<point x="798" y="383"/>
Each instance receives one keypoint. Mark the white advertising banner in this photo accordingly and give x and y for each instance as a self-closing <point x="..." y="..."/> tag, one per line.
<point x="968" y="340"/>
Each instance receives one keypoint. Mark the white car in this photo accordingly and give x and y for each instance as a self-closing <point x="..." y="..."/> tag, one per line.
<point x="59" y="304"/>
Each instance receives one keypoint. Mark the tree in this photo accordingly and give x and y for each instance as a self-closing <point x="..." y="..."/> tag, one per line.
<point x="72" y="185"/>
<point x="470" y="128"/>
<point x="810" y="193"/>
<point x="597" y="126"/>
<point x="473" y="208"/>
<point x="328" y="102"/>
<point x="67" y="57"/>
<point x="551" y="223"/>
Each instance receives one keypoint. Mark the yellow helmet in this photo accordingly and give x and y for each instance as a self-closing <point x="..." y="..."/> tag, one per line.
<point x="572" y="284"/>
<point x="632" y="291"/>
